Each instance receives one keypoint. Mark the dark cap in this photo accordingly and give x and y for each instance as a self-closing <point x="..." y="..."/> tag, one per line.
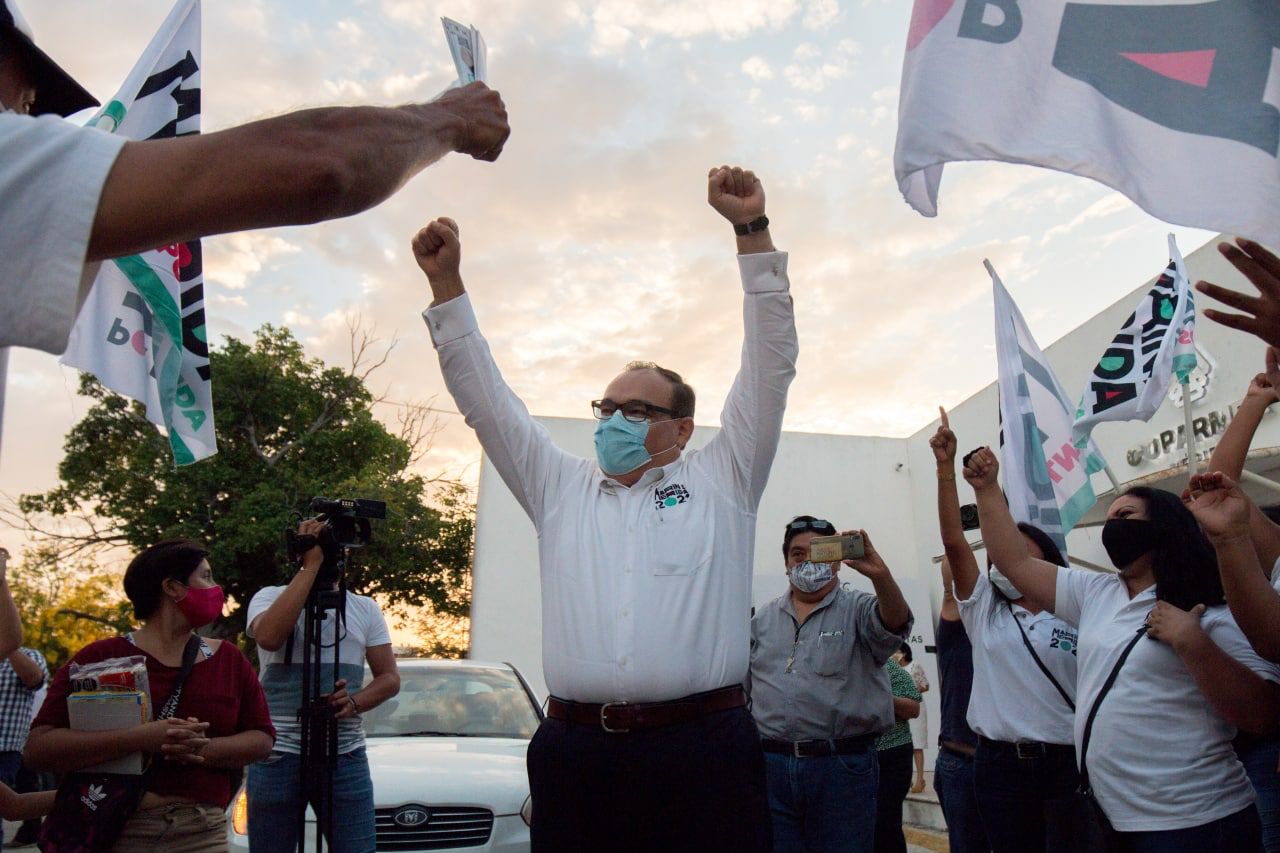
<point x="56" y="91"/>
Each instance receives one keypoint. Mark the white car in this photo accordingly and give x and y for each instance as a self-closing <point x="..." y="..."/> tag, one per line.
<point x="447" y="757"/>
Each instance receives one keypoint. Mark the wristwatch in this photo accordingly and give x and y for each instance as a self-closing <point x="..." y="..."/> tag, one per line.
<point x="752" y="227"/>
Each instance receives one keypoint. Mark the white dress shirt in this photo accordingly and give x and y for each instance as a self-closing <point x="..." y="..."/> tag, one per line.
<point x="1160" y="756"/>
<point x="646" y="591"/>
<point x="1012" y="700"/>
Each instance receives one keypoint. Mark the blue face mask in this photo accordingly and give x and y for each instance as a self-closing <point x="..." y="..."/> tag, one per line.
<point x="620" y="444"/>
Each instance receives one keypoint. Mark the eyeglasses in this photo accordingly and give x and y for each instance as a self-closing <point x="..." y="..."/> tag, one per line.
<point x="819" y="525"/>
<point x="636" y="411"/>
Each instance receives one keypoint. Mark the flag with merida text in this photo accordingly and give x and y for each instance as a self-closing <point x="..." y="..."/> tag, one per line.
<point x="1155" y="344"/>
<point x="1175" y="103"/>
<point x="142" y="328"/>
<point x="1046" y="478"/>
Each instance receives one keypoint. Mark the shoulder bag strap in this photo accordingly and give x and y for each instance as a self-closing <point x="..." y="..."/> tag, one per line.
<point x="1093" y="712"/>
<point x="1030" y="648"/>
<point x="188" y="661"/>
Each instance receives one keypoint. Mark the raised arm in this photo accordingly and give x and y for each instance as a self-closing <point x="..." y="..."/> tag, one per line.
<point x="1223" y="510"/>
<point x="751" y="422"/>
<point x="1036" y="579"/>
<point x="895" y="615"/>
<point x="272" y="627"/>
<point x="295" y="169"/>
<point x="959" y="555"/>
<point x="950" y="610"/>
<point x="1228" y="457"/>
<point x="10" y="621"/>
<point x="519" y="447"/>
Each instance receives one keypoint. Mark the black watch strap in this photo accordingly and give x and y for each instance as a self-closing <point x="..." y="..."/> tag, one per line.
<point x="752" y="227"/>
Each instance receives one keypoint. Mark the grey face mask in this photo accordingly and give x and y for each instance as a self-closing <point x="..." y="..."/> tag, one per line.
<point x="811" y="577"/>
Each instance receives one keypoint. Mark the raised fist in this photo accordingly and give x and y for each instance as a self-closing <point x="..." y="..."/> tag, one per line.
<point x="438" y="250"/>
<point x="484" y="120"/>
<point x="736" y="194"/>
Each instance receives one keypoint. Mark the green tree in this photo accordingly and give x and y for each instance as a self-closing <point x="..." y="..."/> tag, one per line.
<point x="289" y="428"/>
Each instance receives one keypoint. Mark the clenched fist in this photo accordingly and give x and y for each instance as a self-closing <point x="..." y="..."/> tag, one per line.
<point x="484" y="129"/>
<point x="736" y="194"/>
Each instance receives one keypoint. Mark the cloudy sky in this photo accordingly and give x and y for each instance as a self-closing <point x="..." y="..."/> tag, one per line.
<point x="590" y="242"/>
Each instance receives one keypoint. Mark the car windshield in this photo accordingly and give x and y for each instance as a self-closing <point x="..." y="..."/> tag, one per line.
<point x="452" y="701"/>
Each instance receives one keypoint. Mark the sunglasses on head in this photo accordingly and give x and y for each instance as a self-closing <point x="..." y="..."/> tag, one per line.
<point x="820" y="525"/>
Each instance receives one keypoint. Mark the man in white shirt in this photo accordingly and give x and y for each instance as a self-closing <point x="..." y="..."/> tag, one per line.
<point x="277" y="791"/>
<point x="71" y="197"/>
<point x="646" y="561"/>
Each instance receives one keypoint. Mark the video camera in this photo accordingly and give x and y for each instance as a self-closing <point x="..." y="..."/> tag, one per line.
<point x="346" y="526"/>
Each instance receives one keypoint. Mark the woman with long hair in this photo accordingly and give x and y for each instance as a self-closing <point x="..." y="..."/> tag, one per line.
<point x="1022" y="705"/>
<point x="1165" y="677"/>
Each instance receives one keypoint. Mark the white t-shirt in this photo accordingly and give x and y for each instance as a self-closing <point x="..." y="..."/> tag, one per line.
<point x="364" y="628"/>
<point x="51" y="178"/>
<point x="1160" y="756"/>
<point x="1012" y="700"/>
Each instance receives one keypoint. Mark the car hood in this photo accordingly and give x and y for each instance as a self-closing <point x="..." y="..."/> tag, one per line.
<point x="443" y="771"/>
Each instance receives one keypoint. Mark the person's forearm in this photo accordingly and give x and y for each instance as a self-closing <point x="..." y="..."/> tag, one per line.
<point x="379" y="689"/>
<point x="238" y="750"/>
<point x="895" y="614"/>
<point x="27" y="670"/>
<point x="1253" y="602"/>
<point x="294" y="169"/>
<point x="905" y="709"/>
<point x="444" y="288"/>
<point x="16" y="807"/>
<point x="272" y="628"/>
<point x="752" y="244"/>
<point x="10" y="621"/>
<point x="1229" y="455"/>
<point x="1036" y="579"/>
<point x="964" y="568"/>
<point x="56" y="750"/>
<point x="1241" y="696"/>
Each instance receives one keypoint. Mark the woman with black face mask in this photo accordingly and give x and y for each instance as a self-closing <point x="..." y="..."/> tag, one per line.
<point x="1165" y="674"/>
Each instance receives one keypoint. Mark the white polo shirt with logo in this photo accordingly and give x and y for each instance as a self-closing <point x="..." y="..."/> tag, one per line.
<point x="1160" y="756"/>
<point x="1012" y="700"/>
<point x="646" y="591"/>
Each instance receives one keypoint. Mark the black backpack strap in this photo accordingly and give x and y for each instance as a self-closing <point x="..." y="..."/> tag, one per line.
<point x="1047" y="674"/>
<point x="188" y="661"/>
<point x="1093" y="712"/>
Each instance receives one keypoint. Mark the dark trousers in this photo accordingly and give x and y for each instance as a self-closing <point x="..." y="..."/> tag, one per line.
<point x="1261" y="761"/>
<point x="1237" y="833"/>
<point x="693" y="786"/>
<point x="823" y="805"/>
<point x="1017" y="797"/>
<point x="953" y="782"/>
<point x="897" y="766"/>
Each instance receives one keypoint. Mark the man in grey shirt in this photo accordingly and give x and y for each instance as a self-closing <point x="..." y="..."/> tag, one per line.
<point x="819" y="694"/>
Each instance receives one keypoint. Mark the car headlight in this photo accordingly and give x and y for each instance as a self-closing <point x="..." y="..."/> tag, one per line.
<point x="526" y="811"/>
<point x="240" y="813"/>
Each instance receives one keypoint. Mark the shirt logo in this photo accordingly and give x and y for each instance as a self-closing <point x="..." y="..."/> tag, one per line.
<point x="670" y="496"/>
<point x="1065" y="639"/>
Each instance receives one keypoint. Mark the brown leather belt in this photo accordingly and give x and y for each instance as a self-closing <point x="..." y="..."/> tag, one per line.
<point x="623" y="717"/>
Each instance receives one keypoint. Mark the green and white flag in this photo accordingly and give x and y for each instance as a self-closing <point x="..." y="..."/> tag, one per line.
<point x="142" y="329"/>
<point x="1046" y="479"/>
<point x="1131" y="379"/>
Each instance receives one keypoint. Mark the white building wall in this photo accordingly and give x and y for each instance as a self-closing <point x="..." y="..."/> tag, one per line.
<point x="884" y="485"/>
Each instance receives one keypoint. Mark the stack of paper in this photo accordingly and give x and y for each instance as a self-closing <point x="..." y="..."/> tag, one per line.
<point x="468" y="49"/>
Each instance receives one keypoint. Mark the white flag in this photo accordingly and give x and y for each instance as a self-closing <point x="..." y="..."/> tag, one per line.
<point x="1131" y="379"/>
<point x="1046" y="479"/>
<point x="1173" y="104"/>
<point x="142" y="329"/>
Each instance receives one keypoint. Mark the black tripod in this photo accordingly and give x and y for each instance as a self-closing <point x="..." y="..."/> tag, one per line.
<point x="319" y="726"/>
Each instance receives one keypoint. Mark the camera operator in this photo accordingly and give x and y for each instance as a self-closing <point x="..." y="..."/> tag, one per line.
<point x="360" y="632"/>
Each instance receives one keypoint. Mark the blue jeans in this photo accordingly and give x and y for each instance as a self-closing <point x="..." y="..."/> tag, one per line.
<point x="823" y="804"/>
<point x="10" y="761"/>
<point x="1261" y="763"/>
<point x="1237" y="833"/>
<point x="953" y="782"/>
<point x="276" y="797"/>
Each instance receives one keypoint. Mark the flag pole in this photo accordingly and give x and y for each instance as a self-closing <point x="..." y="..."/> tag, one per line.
<point x="1111" y="475"/>
<point x="1189" y="431"/>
